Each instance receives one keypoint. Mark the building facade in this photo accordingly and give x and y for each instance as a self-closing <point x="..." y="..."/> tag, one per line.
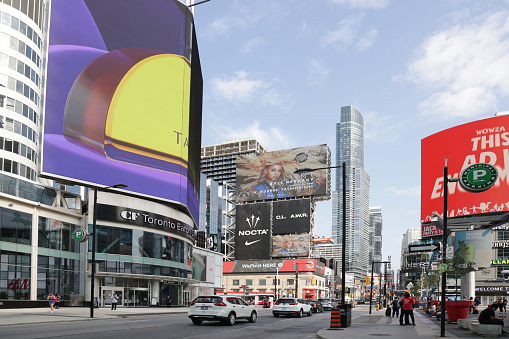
<point x="211" y="215"/>
<point x="350" y="150"/>
<point x="218" y="162"/>
<point x="375" y="237"/>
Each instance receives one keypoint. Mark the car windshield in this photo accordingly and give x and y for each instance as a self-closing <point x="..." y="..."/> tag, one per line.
<point x="211" y="300"/>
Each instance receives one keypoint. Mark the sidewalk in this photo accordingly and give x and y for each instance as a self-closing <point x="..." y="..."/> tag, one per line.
<point x="377" y="324"/>
<point x="23" y="316"/>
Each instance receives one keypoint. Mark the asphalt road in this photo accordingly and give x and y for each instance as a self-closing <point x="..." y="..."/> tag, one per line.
<point x="174" y="326"/>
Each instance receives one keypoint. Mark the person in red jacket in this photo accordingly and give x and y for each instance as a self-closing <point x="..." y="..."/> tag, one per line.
<point x="408" y="309"/>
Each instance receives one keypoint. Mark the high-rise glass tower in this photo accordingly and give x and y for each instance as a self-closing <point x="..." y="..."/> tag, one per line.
<point x="375" y="237"/>
<point x="350" y="150"/>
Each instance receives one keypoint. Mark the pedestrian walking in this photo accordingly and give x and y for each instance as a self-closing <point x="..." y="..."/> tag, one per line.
<point x="395" y="307"/>
<point x="114" y="301"/>
<point x="168" y="301"/>
<point x="57" y="301"/>
<point x="51" y="299"/>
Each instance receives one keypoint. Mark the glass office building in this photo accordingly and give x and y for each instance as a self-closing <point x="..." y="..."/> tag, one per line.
<point x="350" y="150"/>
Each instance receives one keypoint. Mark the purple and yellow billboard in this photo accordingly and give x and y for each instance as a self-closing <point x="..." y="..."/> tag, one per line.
<point x="272" y="175"/>
<point x="124" y="98"/>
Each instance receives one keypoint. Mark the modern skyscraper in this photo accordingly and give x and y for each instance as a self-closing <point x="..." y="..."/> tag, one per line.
<point x="350" y="150"/>
<point x="211" y="214"/>
<point x="375" y="237"/>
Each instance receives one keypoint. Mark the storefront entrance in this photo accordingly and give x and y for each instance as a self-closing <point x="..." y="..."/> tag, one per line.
<point x="108" y="291"/>
<point x="137" y="297"/>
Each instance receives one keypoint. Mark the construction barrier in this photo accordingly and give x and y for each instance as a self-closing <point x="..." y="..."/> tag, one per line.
<point x="341" y="316"/>
<point x="335" y="318"/>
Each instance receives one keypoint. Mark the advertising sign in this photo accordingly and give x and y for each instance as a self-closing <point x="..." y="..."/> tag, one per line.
<point x="124" y="94"/>
<point x="291" y="216"/>
<point x="145" y="219"/>
<point x="430" y="230"/>
<point x="271" y="266"/>
<point x="296" y="245"/>
<point x="478" y="244"/>
<point x="483" y="141"/>
<point x="271" y="175"/>
<point x="252" y="232"/>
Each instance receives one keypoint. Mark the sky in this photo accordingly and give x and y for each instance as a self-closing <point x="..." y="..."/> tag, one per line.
<point x="280" y="71"/>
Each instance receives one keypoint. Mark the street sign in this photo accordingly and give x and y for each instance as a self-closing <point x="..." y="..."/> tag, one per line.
<point x="443" y="268"/>
<point x="478" y="177"/>
<point x="423" y="248"/>
<point x="80" y="235"/>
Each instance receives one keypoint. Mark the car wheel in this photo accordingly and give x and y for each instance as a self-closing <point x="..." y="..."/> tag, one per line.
<point x="231" y="319"/>
<point x="253" y="317"/>
<point x="310" y="313"/>
<point x="196" y="321"/>
<point x="300" y="314"/>
<point x="276" y="315"/>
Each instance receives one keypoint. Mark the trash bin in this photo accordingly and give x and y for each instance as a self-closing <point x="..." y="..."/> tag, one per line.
<point x="345" y="315"/>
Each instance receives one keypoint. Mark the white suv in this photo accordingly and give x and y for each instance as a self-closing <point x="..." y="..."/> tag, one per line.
<point x="291" y="306"/>
<point x="223" y="308"/>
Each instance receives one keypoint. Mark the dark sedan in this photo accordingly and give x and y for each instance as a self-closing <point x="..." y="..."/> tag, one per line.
<point x="316" y="306"/>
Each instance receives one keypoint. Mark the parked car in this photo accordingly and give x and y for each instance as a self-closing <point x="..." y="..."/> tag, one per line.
<point x="360" y="301"/>
<point x="327" y="304"/>
<point x="291" y="306"/>
<point x="220" y="308"/>
<point x="316" y="306"/>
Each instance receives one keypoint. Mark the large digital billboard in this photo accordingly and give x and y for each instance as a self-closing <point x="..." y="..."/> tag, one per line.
<point x="482" y="141"/>
<point x="271" y="175"/>
<point x="252" y="231"/>
<point x="295" y="245"/>
<point x="291" y="216"/>
<point x="124" y="98"/>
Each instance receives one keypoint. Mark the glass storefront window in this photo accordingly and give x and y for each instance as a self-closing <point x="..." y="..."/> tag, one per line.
<point x="57" y="275"/>
<point x="57" y="235"/>
<point x="16" y="226"/>
<point x="14" y="275"/>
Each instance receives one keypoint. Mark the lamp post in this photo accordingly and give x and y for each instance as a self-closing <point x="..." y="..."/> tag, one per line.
<point x="380" y="276"/>
<point x="94" y="245"/>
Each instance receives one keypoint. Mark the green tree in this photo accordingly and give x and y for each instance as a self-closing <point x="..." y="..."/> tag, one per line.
<point x="459" y="264"/>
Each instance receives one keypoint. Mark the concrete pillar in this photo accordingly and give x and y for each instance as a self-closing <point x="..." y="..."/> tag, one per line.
<point x="468" y="285"/>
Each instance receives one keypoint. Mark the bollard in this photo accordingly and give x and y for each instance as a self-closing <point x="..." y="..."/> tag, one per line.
<point x="335" y="318"/>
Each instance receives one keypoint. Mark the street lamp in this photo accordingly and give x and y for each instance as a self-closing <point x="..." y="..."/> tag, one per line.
<point x="444" y="245"/>
<point x="94" y="244"/>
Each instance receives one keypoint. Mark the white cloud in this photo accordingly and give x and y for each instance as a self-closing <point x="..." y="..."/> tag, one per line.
<point x="318" y="73"/>
<point x="304" y="30"/>
<point x="408" y="192"/>
<point x="362" y="3"/>
<point x="244" y="15"/>
<point x="271" y="138"/>
<point x="252" y="44"/>
<point x="412" y="212"/>
<point x="464" y="66"/>
<point x="381" y="127"/>
<point x="349" y="33"/>
<point x="243" y="87"/>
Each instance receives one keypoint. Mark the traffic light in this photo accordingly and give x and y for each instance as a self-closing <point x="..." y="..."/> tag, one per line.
<point x="293" y="264"/>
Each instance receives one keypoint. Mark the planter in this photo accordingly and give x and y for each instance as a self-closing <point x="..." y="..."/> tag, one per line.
<point x="457" y="309"/>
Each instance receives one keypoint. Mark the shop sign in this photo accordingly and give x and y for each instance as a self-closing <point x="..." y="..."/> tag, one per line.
<point x="497" y="289"/>
<point x="500" y="262"/>
<point x="500" y="244"/>
<point x="145" y="219"/>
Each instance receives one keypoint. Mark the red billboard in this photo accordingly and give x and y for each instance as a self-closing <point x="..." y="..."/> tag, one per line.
<point x="482" y="141"/>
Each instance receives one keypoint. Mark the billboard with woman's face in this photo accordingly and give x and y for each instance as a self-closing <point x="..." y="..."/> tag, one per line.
<point x="295" y="245"/>
<point x="123" y="99"/>
<point x="271" y="175"/>
<point x="482" y="141"/>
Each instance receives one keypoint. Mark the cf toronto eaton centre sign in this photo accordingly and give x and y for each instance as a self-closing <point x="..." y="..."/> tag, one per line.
<point x="478" y="177"/>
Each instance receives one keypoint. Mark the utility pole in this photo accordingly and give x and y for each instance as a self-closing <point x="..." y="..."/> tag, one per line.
<point x="297" y="281"/>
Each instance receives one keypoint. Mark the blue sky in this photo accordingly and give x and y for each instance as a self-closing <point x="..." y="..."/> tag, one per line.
<point x="279" y="71"/>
